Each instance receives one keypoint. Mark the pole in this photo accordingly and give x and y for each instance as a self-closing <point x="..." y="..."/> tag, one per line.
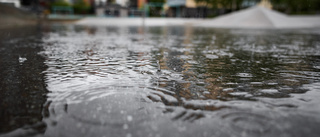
<point x="144" y="15"/>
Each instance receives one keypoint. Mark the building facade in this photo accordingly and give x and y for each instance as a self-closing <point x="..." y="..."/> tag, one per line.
<point x="15" y="3"/>
<point x="185" y="8"/>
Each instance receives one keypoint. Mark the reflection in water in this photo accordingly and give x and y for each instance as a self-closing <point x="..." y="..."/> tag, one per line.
<point x="180" y="81"/>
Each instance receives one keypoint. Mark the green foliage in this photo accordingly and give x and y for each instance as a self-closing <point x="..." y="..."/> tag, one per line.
<point x="287" y="6"/>
<point x="111" y="1"/>
<point x="155" y="11"/>
<point x="213" y="3"/>
<point x="60" y="3"/>
<point x="160" y="1"/>
<point x="226" y="4"/>
<point x="297" y="6"/>
<point x="80" y="7"/>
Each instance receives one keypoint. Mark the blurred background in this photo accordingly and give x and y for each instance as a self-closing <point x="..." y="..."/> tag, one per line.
<point x="154" y="8"/>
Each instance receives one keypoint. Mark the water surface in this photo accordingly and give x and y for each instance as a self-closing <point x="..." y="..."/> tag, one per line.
<point x="161" y="81"/>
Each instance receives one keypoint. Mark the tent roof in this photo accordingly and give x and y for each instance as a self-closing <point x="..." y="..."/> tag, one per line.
<point x="260" y="17"/>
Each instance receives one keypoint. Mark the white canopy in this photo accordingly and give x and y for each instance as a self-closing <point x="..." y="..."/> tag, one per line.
<point x="260" y="17"/>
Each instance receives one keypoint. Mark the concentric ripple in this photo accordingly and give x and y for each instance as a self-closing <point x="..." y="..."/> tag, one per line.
<point x="249" y="122"/>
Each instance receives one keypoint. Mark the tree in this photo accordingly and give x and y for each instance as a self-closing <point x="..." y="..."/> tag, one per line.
<point x="287" y="6"/>
<point x="297" y="6"/>
<point x="155" y="11"/>
<point x="81" y="7"/>
<point x="238" y="4"/>
<point x="209" y="3"/>
<point x="224" y="4"/>
<point x="160" y="1"/>
<point x="111" y="2"/>
<point x="61" y="3"/>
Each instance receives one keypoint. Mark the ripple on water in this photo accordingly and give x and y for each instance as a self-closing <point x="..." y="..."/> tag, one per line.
<point x="249" y="123"/>
<point x="114" y="109"/>
<point x="101" y="77"/>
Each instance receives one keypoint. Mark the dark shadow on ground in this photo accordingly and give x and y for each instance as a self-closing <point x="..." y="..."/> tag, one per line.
<point x="22" y="87"/>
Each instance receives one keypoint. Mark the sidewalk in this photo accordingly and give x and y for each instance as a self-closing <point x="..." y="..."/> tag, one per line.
<point x="96" y="21"/>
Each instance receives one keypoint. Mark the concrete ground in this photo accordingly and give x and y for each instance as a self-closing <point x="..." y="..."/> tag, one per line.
<point x="11" y="16"/>
<point x="98" y="21"/>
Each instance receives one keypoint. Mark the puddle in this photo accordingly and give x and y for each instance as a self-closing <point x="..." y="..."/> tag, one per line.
<point x="173" y="81"/>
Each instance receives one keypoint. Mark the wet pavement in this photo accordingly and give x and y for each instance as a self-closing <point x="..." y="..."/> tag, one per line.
<point x="69" y="80"/>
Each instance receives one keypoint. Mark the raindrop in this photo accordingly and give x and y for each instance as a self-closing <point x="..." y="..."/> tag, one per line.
<point x="269" y="91"/>
<point x="128" y="135"/>
<point x="125" y="126"/>
<point x="22" y="59"/>
<point x="129" y="118"/>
